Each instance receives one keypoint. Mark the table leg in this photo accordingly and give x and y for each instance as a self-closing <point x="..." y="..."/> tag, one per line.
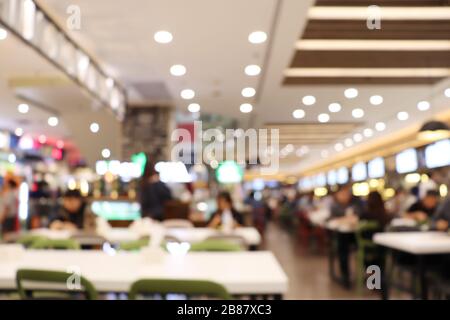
<point x="278" y="297"/>
<point x="421" y="272"/>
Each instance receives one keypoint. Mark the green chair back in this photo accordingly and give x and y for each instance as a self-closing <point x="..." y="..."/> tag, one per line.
<point x="51" y="277"/>
<point x="216" y="245"/>
<point x="64" y="244"/>
<point x="28" y="239"/>
<point x="187" y="287"/>
<point x="134" y="245"/>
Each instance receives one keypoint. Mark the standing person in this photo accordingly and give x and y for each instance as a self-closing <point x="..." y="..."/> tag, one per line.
<point x="9" y="215"/>
<point x="153" y="194"/>
<point x="345" y="209"/>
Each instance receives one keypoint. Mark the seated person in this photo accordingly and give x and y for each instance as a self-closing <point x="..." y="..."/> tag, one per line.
<point x="441" y="219"/>
<point x="225" y="213"/>
<point x="73" y="215"/>
<point x="425" y="208"/>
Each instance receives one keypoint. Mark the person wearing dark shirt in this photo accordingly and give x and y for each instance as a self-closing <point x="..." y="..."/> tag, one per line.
<point x="375" y="210"/>
<point x="225" y="210"/>
<point x="425" y="208"/>
<point x="153" y="194"/>
<point x="74" y="214"/>
<point x="345" y="208"/>
<point x="441" y="219"/>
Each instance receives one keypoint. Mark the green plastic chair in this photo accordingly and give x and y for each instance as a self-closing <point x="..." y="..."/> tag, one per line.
<point x="216" y="245"/>
<point x="63" y="244"/>
<point x="28" y="239"/>
<point x="134" y="245"/>
<point x="51" y="277"/>
<point x="187" y="287"/>
<point x="366" y="248"/>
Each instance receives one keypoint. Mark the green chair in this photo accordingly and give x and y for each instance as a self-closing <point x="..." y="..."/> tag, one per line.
<point x="188" y="287"/>
<point x="367" y="250"/>
<point x="52" y="278"/>
<point x="63" y="244"/>
<point x="216" y="245"/>
<point x="28" y="239"/>
<point x="134" y="245"/>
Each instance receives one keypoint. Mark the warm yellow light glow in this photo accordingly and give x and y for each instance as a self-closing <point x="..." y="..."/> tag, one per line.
<point x="361" y="189"/>
<point x="386" y="13"/>
<point x="72" y="184"/>
<point x="388" y="193"/>
<point x="368" y="72"/>
<point x="84" y="188"/>
<point x="320" y="192"/>
<point x="424" y="178"/>
<point x="412" y="178"/>
<point x="374" y="183"/>
<point x="443" y="190"/>
<point x="434" y="135"/>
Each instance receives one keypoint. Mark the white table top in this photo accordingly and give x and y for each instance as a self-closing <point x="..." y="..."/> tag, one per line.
<point x="240" y="272"/>
<point x="415" y="242"/>
<point x="191" y="235"/>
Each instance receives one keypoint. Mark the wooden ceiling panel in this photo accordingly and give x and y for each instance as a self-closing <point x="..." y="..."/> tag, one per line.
<point x="384" y="3"/>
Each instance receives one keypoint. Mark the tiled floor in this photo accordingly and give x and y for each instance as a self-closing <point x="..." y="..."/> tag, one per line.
<point x="306" y="269"/>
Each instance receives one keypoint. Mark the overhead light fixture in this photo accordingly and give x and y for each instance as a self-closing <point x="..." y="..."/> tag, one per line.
<point x="298" y="114"/>
<point x="246" y="108"/>
<point x="12" y="158"/>
<point x="106" y="153"/>
<point x="380" y="126"/>
<point x="18" y="132"/>
<point x="52" y="121"/>
<point x="289" y="148"/>
<point x="368" y="72"/>
<point x="433" y="130"/>
<point x="188" y="94"/>
<point x="248" y="92"/>
<point x="163" y="37"/>
<point x="447" y="92"/>
<point x="60" y="144"/>
<point x="252" y="70"/>
<point x="23" y="108"/>
<point x="257" y="37"/>
<point x="309" y="100"/>
<point x="324" y="154"/>
<point x="3" y="34"/>
<point x="178" y="70"/>
<point x="402" y="116"/>
<point x="351" y="93"/>
<point x="323" y="117"/>
<point x="42" y="139"/>
<point x="334" y="107"/>
<point x="373" y="45"/>
<point x="109" y="82"/>
<point x="338" y="147"/>
<point x="194" y="107"/>
<point x="376" y="100"/>
<point x="348" y="142"/>
<point x="387" y="13"/>
<point x="357" y="137"/>
<point x="368" y="132"/>
<point x="423" y="106"/>
<point x="94" y="127"/>
<point x="357" y="113"/>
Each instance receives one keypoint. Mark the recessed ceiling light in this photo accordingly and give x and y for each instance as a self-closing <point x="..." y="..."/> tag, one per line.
<point x="447" y="92"/>
<point x="163" y="37"/>
<point x="60" y="144"/>
<point x="357" y="137"/>
<point x="368" y="132"/>
<point x="376" y="100"/>
<point x="52" y="121"/>
<point x="257" y="37"/>
<point x="298" y="114"/>
<point x="110" y="82"/>
<point x="246" y="108"/>
<point x="188" y="94"/>
<point x="3" y="34"/>
<point x="106" y="153"/>
<point x="12" y="158"/>
<point x="289" y="148"/>
<point x="23" y="108"/>
<point x="248" y="92"/>
<point x="423" y="105"/>
<point x="18" y="132"/>
<point x="42" y="139"/>
<point x="338" y="147"/>
<point x="348" y="142"/>
<point x="380" y="126"/>
<point x="323" y="117"/>
<point x="402" y="116"/>
<point x="309" y="100"/>
<point x="334" y="107"/>
<point x="94" y="127"/>
<point x="194" y="107"/>
<point x="357" y="113"/>
<point x="178" y="70"/>
<point x="302" y="151"/>
<point x="351" y="93"/>
<point x="252" y="70"/>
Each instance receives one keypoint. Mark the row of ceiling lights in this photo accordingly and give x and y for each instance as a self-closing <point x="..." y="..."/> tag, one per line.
<point x="178" y="70"/>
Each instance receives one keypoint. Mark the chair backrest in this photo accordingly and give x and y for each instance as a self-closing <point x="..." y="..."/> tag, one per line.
<point x="49" y="278"/>
<point x="134" y="245"/>
<point x="64" y="244"/>
<point x="236" y="239"/>
<point x="177" y="223"/>
<point x="365" y="230"/>
<point x="28" y="239"/>
<point x="215" y="245"/>
<point x="187" y="287"/>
